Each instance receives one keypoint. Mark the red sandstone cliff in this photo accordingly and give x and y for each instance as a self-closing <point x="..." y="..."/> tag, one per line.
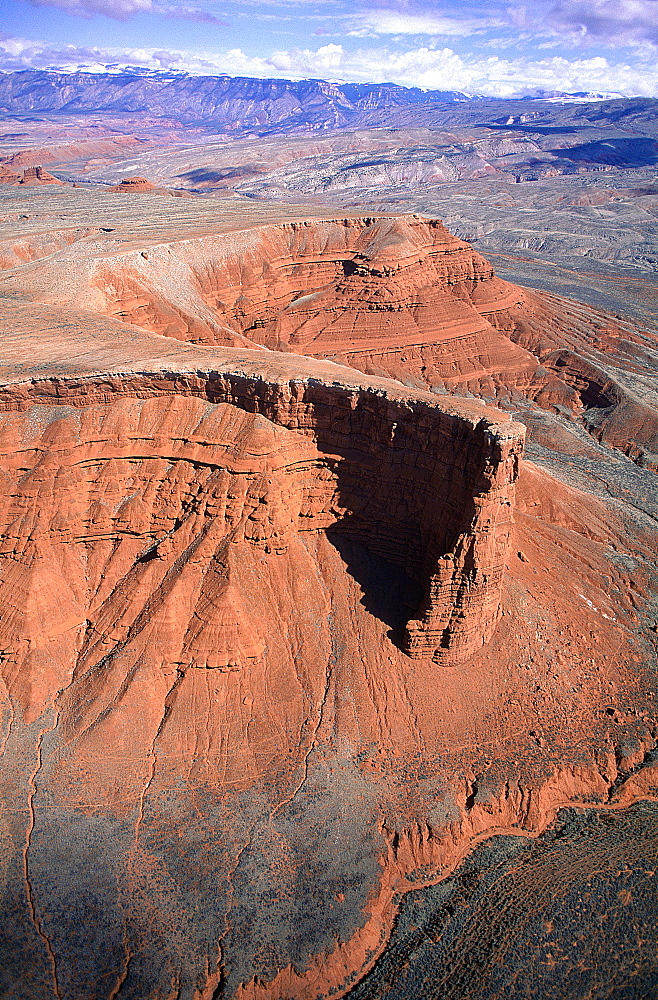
<point x="32" y="176"/>
<point x="276" y="642"/>
<point x="426" y="487"/>
<point x="393" y="297"/>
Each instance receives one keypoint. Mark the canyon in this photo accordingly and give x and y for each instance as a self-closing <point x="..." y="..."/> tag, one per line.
<point x="327" y="555"/>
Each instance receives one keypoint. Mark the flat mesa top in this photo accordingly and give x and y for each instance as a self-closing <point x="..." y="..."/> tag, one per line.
<point x="144" y="217"/>
<point x="40" y="343"/>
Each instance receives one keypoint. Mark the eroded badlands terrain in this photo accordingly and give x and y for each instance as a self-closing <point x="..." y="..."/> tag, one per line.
<point x="289" y="626"/>
<point x="561" y="190"/>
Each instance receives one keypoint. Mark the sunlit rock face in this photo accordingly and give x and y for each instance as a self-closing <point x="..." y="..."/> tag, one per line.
<point x="281" y="639"/>
<point x="393" y="297"/>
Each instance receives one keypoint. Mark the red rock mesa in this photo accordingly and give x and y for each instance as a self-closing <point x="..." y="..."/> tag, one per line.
<point x="278" y="643"/>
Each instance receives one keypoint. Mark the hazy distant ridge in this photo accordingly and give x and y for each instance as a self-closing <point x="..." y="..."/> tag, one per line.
<point x="234" y="102"/>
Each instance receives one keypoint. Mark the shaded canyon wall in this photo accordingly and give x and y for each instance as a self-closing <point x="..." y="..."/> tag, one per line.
<point x="116" y="489"/>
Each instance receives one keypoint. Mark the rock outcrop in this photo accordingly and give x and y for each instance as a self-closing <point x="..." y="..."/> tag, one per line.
<point x="388" y="296"/>
<point x="427" y="488"/>
<point x="37" y="175"/>
<point x="132" y="185"/>
<point x="140" y="185"/>
<point x="7" y="175"/>
<point x="31" y="176"/>
<point x="277" y="642"/>
<point x="392" y="297"/>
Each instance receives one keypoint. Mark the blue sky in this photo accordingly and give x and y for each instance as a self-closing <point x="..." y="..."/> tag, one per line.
<point x="496" y="48"/>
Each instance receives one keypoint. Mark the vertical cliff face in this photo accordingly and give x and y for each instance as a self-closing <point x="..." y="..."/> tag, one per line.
<point x="275" y="641"/>
<point x="192" y="565"/>
<point x="461" y="605"/>
<point x="429" y="491"/>
<point x="389" y="296"/>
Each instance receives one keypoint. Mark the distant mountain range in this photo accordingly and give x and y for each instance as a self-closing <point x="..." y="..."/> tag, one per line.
<point x="232" y="102"/>
<point x="238" y="104"/>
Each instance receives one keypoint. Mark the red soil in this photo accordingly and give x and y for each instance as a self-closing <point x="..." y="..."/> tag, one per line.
<point x="224" y="572"/>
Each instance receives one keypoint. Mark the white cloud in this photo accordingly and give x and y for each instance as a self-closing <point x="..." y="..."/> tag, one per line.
<point x="429" y="68"/>
<point x="117" y="9"/>
<point x="574" y="22"/>
<point x="121" y="10"/>
<point x="390" y="22"/>
<point x="189" y="14"/>
<point x="615" y="22"/>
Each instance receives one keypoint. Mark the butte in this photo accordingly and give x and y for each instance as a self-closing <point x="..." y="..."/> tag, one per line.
<point x="289" y="625"/>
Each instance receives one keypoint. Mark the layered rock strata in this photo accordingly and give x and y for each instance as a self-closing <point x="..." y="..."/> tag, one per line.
<point x="429" y="491"/>
<point x="392" y="297"/>
<point x="221" y="769"/>
<point x="140" y="185"/>
<point x="35" y="175"/>
<point x="389" y="296"/>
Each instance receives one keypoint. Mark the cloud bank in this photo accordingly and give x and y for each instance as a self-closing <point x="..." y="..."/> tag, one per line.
<point x="498" y="48"/>
<point x="614" y="22"/>
<point x="572" y="22"/>
<point x="429" y="68"/>
<point x="391" y="22"/>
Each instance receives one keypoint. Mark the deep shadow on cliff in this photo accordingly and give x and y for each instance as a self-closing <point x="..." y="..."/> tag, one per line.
<point x="288" y="629"/>
<point x="389" y="593"/>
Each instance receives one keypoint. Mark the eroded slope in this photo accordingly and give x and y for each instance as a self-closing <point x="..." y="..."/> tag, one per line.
<point x="223" y="767"/>
<point x="396" y="297"/>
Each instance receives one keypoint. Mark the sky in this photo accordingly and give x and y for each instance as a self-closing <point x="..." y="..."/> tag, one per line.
<point x="490" y="47"/>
